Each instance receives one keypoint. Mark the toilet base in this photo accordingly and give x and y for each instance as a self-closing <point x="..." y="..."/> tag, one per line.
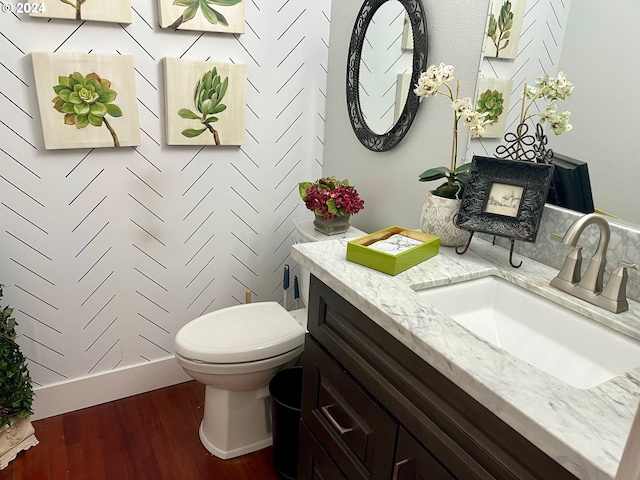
<point x="236" y="422"/>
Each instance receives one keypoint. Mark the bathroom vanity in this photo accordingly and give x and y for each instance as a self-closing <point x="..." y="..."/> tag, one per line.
<point x="395" y="389"/>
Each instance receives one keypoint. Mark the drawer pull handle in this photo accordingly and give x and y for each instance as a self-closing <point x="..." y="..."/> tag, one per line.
<point x="398" y="467"/>
<point x="341" y="430"/>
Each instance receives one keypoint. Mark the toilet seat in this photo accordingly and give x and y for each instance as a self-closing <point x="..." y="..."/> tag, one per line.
<point x="244" y="333"/>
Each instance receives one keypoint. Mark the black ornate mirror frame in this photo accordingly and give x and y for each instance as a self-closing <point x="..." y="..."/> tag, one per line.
<point x="385" y="141"/>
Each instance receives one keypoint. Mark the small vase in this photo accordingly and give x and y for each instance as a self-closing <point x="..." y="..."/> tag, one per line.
<point x="437" y="219"/>
<point x="331" y="226"/>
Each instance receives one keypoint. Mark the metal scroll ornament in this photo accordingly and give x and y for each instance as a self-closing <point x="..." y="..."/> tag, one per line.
<point x="524" y="146"/>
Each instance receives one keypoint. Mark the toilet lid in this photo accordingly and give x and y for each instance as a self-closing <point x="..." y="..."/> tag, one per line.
<point x="245" y="333"/>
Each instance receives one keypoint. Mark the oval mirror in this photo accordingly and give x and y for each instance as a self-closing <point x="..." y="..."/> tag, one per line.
<point x="387" y="53"/>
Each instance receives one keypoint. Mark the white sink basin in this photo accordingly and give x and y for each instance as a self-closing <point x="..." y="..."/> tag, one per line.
<point x="559" y="341"/>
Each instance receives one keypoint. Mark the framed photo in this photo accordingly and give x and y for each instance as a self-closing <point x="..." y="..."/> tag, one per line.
<point x="86" y="100"/>
<point x="205" y="102"/>
<point x="504" y="197"/>
<point x="118" y="11"/>
<point x="225" y="16"/>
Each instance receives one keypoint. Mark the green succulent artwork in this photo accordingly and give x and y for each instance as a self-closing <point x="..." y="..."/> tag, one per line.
<point x="500" y="29"/>
<point x="491" y="102"/>
<point x="77" y="6"/>
<point x="207" y="95"/>
<point x="192" y="6"/>
<point x="86" y="100"/>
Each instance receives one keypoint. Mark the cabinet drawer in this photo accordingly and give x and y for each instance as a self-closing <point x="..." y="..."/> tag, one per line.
<point x="358" y="434"/>
<point x="314" y="463"/>
<point x="414" y="462"/>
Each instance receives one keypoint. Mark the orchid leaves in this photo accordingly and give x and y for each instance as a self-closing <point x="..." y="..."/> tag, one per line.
<point x="207" y="97"/>
<point x="205" y="6"/>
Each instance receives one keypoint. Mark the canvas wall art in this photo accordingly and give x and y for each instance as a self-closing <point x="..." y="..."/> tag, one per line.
<point x="86" y="100"/>
<point x="204" y="102"/>
<point x="203" y="15"/>
<point x="505" y="27"/>
<point x="493" y="99"/>
<point x="118" y="11"/>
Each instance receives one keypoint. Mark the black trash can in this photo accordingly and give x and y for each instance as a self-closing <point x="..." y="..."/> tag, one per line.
<point x="286" y="396"/>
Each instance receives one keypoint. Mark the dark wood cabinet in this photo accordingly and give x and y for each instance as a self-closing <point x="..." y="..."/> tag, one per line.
<point x="378" y="411"/>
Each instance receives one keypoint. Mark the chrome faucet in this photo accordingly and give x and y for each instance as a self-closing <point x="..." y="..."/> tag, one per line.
<point x="590" y="287"/>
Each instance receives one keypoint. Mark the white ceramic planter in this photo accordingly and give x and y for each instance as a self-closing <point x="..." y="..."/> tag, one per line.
<point x="14" y="438"/>
<point x="437" y="219"/>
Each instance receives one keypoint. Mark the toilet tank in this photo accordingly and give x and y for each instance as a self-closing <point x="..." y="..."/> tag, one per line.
<point x="305" y="232"/>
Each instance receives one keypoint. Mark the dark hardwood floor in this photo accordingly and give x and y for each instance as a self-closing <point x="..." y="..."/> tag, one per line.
<point x="152" y="436"/>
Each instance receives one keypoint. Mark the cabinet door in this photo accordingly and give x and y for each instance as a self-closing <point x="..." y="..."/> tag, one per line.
<point x="314" y="463"/>
<point x="414" y="462"/>
<point x="356" y="432"/>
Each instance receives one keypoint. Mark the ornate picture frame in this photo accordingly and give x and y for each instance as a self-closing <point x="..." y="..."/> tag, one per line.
<point x="504" y="198"/>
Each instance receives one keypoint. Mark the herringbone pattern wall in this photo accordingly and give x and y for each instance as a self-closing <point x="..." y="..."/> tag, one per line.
<point x="540" y="46"/>
<point x="106" y="253"/>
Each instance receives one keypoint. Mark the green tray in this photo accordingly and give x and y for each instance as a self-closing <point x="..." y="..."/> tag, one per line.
<point x="359" y="252"/>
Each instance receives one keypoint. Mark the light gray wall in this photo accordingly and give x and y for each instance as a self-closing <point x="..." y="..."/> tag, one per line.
<point x="388" y="181"/>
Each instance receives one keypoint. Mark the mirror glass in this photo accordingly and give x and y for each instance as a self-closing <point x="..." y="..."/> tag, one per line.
<point x="387" y="53"/>
<point x="605" y="101"/>
<point x="385" y="67"/>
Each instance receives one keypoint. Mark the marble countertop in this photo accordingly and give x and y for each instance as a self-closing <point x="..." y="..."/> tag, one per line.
<point x="583" y="430"/>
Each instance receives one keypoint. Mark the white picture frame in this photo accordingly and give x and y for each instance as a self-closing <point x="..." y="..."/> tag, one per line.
<point x="111" y="118"/>
<point x="117" y="11"/>
<point x="184" y="118"/>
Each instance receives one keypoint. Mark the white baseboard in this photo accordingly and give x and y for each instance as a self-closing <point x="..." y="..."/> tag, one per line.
<point x="93" y="390"/>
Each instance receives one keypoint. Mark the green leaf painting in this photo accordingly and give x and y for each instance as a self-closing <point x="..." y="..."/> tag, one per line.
<point x="212" y="15"/>
<point x="86" y="100"/>
<point x="207" y="97"/>
<point x="500" y="29"/>
<point x="77" y="6"/>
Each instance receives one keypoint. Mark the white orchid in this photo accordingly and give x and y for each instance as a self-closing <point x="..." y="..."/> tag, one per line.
<point x="551" y="89"/>
<point x="430" y="83"/>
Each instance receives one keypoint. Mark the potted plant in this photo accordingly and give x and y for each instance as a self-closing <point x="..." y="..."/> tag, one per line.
<point x="16" y="393"/>
<point x="332" y="201"/>
<point x="443" y="203"/>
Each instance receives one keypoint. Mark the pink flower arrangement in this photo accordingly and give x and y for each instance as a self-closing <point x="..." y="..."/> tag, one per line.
<point x="331" y="198"/>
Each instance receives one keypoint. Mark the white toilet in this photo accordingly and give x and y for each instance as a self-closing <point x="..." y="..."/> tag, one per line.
<point x="234" y="352"/>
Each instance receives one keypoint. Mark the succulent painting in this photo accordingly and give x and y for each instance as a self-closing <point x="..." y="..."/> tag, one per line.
<point x="86" y="100"/>
<point x="207" y="95"/>
<point x="192" y="6"/>
<point x="77" y="6"/>
<point x="500" y="29"/>
<point x="491" y="102"/>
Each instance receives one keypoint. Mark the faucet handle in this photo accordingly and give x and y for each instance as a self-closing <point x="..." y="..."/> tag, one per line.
<point x="616" y="288"/>
<point x="635" y="266"/>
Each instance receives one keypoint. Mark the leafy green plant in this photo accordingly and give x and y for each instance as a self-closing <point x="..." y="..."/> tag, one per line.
<point x="500" y="29"/>
<point x="16" y="390"/>
<point x="86" y="101"/>
<point x="192" y="6"/>
<point x="77" y="6"/>
<point x="207" y="95"/>
<point x="491" y="102"/>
